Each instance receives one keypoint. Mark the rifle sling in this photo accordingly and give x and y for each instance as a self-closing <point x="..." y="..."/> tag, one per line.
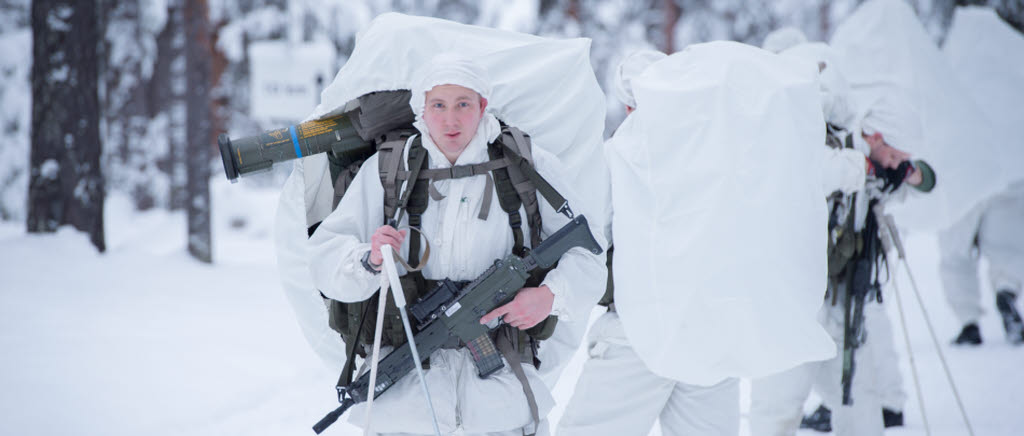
<point x="514" y="360"/>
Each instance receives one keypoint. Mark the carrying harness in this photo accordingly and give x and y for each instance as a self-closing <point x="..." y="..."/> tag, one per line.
<point x="408" y="188"/>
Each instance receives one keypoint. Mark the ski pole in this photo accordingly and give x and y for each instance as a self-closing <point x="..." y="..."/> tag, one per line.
<point x="378" y="329"/>
<point x="391" y="271"/>
<point x="890" y="225"/>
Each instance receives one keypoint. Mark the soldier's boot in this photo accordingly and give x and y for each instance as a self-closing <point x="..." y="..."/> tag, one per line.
<point x="819" y="420"/>
<point x="970" y="335"/>
<point x="1011" y="318"/>
<point x="892" y="418"/>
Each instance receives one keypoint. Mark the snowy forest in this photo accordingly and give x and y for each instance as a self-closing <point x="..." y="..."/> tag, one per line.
<point x="107" y="96"/>
<point x="143" y="293"/>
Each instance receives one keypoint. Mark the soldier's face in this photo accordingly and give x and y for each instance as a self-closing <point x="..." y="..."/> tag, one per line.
<point x="452" y="114"/>
<point x="883" y="153"/>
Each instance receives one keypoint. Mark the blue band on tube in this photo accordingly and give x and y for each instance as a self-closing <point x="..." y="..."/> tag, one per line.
<point x="295" y="141"/>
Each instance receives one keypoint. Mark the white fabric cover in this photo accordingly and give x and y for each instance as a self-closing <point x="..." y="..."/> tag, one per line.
<point x="544" y="86"/>
<point x="614" y="371"/>
<point x="835" y="89"/>
<point x="979" y="47"/>
<point x="448" y="69"/>
<point x="629" y="68"/>
<point x="776" y="401"/>
<point x="897" y="119"/>
<point x="783" y="38"/>
<point x="719" y="231"/>
<point x="884" y="46"/>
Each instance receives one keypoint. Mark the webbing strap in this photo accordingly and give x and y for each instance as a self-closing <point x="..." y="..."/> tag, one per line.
<point x="556" y="200"/>
<point x="346" y="371"/>
<point x="434" y="193"/>
<point x="505" y="346"/>
<point x="521" y="145"/>
<point x="488" y="194"/>
<point x="389" y="161"/>
<point x="508" y="198"/>
<point x="455" y="172"/>
<point x="415" y="165"/>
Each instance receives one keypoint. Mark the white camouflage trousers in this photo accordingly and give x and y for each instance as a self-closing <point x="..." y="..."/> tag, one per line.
<point x="777" y="400"/>
<point x="617" y="395"/>
<point x="998" y="225"/>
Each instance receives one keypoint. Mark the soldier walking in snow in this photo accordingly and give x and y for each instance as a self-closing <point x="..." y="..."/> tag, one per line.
<point x="990" y="231"/>
<point x="615" y="370"/>
<point x="466" y="232"/>
<point x="777" y="400"/>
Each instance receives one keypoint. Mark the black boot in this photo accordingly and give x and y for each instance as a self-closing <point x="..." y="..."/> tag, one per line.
<point x="892" y="418"/>
<point x="1011" y="319"/>
<point x="970" y="335"/>
<point x="820" y="420"/>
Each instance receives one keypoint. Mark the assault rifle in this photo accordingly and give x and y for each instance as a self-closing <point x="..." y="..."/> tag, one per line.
<point x="861" y="284"/>
<point x="348" y="136"/>
<point x="449" y="310"/>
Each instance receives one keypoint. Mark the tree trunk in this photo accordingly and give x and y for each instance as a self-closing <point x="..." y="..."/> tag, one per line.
<point x="672" y="14"/>
<point x="199" y="127"/>
<point x="65" y="182"/>
<point x="167" y="91"/>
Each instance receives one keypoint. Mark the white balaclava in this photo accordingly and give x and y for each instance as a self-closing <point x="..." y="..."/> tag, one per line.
<point x="783" y="38"/>
<point x="453" y="69"/>
<point x="630" y="68"/>
<point x="896" y="118"/>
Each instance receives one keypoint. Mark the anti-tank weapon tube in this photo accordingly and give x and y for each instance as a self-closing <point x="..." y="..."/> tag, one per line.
<point x="243" y="156"/>
<point x="349" y="136"/>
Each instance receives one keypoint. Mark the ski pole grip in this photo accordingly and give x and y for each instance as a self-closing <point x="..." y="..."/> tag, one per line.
<point x="388" y="254"/>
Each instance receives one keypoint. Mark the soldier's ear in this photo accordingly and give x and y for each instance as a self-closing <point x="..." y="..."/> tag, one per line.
<point x="483" y="105"/>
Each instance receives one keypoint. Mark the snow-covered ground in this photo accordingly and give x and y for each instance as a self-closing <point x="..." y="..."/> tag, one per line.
<point x="143" y="340"/>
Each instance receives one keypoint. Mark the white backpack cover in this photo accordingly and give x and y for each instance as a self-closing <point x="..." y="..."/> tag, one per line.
<point x="719" y="216"/>
<point x="977" y="47"/>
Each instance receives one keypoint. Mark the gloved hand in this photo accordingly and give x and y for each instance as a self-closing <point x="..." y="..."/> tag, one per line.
<point x="893" y="177"/>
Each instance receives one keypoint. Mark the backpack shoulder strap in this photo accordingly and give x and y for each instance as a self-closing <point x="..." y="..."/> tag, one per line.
<point x="389" y="162"/>
<point x="526" y="167"/>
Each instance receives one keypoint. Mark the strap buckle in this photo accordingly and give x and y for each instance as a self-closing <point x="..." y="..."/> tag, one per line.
<point x="461" y="171"/>
<point x="564" y="209"/>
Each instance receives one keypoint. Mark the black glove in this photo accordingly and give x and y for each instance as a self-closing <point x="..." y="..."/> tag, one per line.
<point x="893" y="177"/>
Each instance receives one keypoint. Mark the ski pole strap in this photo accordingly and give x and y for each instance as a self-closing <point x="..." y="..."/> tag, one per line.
<point x="505" y="346"/>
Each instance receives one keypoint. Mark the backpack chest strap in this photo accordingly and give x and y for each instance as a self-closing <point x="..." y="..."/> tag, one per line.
<point x="455" y="172"/>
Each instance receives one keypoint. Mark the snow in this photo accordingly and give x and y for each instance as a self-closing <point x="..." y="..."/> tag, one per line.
<point x="145" y="340"/>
